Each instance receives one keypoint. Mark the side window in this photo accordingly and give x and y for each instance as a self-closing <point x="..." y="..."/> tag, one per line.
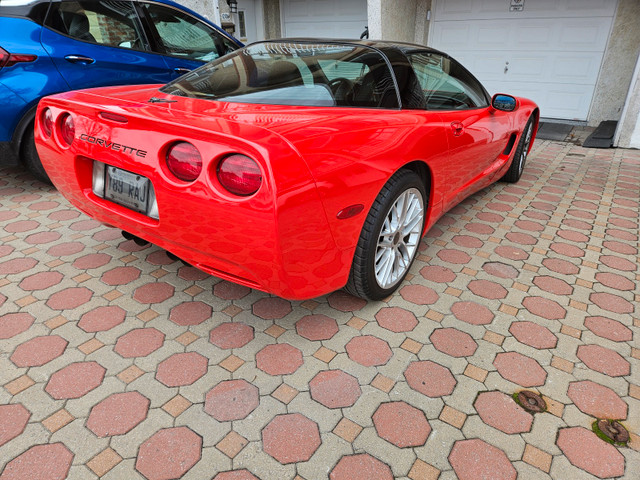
<point x="445" y="83"/>
<point x="112" y="23"/>
<point x="182" y="35"/>
<point x="352" y="71"/>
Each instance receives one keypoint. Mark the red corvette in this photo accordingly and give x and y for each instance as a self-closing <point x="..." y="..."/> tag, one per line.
<point x="296" y="167"/>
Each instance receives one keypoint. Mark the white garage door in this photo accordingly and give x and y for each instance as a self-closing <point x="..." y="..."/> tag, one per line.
<point x="551" y="51"/>
<point x="324" y="18"/>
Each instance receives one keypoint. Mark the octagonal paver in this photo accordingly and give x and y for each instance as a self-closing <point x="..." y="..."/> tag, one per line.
<point x="38" y="351"/>
<point x="401" y="424"/>
<point x="603" y="360"/>
<point x="487" y="289"/>
<point x="438" y="274"/>
<point x="231" y="400"/>
<point x="544" y="307"/>
<point x="231" y="335"/>
<point x="396" y="319"/>
<point x="169" y="453"/>
<point x="361" y="466"/>
<point x="500" y="411"/>
<point x="368" y="350"/>
<point x="587" y="452"/>
<point x="75" y="380"/>
<point x="190" y="313"/>
<point x="335" y="389"/>
<point x="533" y="334"/>
<point x="13" y="324"/>
<point x="41" y="462"/>
<point x="182" y="369"/>
<point x="279" y="359"/>
<point x="236" y="475"/>
<point x="597" y="400"/>
<point x="156" y="292"/>
<point x="291" y="438"/>
<point x="118" y="414"/>
<point x="520" y="369"/>
<point x="40" y="281"/>
<point x="317" y="327"/>
<point x="608" y="328"/>
<point x="69" y="298"/>
<point x="101" y="319"/>
<point x="430" y="379"/>
<point x="612" y="303"/>
<point x="501" y="270"/>
<point x="120" y="276"/>
<point x="272" y="308"/>
<point x="139" y="342"/>
<point x="13" y="419"/>
<point x="553" y="285"/>
<point x="473" y="313"/>
<point x="230" y="291"/>
<point x="344" y="302"/>
<point x="453" y="342"/>
<point x="419" y="294"/>
<point x="475" y="459"/>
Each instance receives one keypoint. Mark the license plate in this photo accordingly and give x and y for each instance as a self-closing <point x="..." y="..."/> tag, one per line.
<point x="127" y="189"/>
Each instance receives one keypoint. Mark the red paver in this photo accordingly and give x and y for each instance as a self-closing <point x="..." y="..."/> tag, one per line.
<point x="587" y="452"/>
<point x="430" y="379"/>
<point x="272" y="308"/>
<point x="608" y="328"/>
<point x="75" y="380"/>
<point x="560" y="266"/>
<point x="573" y="236"/>
<point x="120" y="276"/>
<point x="361" y="466"/>
<point x="368" y="350"/>
<point x="467" y="241"/>
<point x="512" y="253"/>
<point x="438" y="274"/>
<point x="13" y="419"/>
<point x="613" y="280"/>
<point x="453" y="342"/>
<point x="13" y="324"/>
<point x="500" y="411"/>
<point x="521" y="238"/>
<point x="478" y="228"/>
<point x="42" y="238"/>
<point x="335" y="389"/>
<point x="475" y="459"/>
<point x="190" y="313"/>
<point x="396" y="319"/>
<point x="502" y="270"/>
<point x="517" y="368"/>
<point x="192" y="274"/>
<point x="169" y="453"/>
<point x="230" y="291"/>
<point x="118" y="413"/>
<point x="553" y="285"/>
<point x="139" y="342"/>
<point x="487" y="289"/>
<point x="279" y="359"/>
<point x="62" y="215"/>
<point x="401" y="424"/>
<point x="92" y="260"/>
<point x="454" y="256"/>
<point x="597" y="400"/>
<point x="40" y="281"/>
<point x="618" y="263"/>
<point x="21" y="226"/>
<point x="38" y="351"/>
<point x="545" y="308"/>
<point x="17" y="265"/>
<point x="236" y="475"/>
<point x="344" y="302"/>
<point x="419" y="294"/>
<point x="317" y="327"/>
<point x="620" y="247"/>
<point x="611" y="302"/>
<point x="533" y="334"/>
<point x="489" y="217"/>
<point x="291" y="438"/>
<point x="84" y="225"/>
<point x="567" y="250"/>
<point x="159" y="257"/>
<point x="231" y="400"/>
<point x="231" y="335"/>
<point x="69" y="298"/>
<point x="472" y="313"/>
<point x="603" y="360"/>
<point x="101" y="319"/>
<point x="182" y="369"/>
<point x="154" y="292"/>
<point x="41" y="462"/>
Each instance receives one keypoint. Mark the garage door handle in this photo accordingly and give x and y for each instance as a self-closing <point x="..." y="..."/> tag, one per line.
<point x="81" y="59"/>
<point x="181" y="70"/>
<point x="457" y="128"/>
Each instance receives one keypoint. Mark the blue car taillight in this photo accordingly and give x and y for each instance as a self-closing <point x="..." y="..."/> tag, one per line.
<point x="10" y="59"/>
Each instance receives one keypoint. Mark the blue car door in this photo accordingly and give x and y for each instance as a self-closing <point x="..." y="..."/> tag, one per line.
<point x="97" y="43"/>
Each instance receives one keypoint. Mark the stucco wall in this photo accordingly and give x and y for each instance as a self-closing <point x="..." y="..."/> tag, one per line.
<point x="628" y="133"/>
<point x="618" y="64"/>
<point x="203" y="7"/>
<point x="271" y="12"/>
<point x="404" y="21"/>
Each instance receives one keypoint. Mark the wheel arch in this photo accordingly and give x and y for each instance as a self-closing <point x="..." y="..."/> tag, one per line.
<point x="18" y="134"/>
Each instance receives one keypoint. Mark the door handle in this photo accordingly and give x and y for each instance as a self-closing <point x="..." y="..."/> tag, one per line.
<point x="181" y="70"/>
<point x="457" y="128"/>
<point x="81" y="59"/>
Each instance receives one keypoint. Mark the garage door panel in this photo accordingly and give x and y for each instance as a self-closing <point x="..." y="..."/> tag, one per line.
<point x="493" y="9"/>
<point x="324" y="18"/>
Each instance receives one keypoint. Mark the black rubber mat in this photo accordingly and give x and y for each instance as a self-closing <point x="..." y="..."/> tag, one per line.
<point x="553" y="131"/>
<point x="602" y="137"/>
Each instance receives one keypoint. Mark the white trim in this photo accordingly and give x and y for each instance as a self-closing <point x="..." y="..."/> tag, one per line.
<point x="283" y="34"/>
<point x="627" y="102"/>
<point x="432" y="22"/>
<point x="259" y="6"/>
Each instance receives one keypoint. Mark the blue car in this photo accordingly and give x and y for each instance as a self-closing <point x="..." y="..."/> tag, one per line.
<point x="50" y="46"/>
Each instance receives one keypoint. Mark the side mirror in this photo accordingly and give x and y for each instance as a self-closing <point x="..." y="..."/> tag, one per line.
<point x="505" y="103"/>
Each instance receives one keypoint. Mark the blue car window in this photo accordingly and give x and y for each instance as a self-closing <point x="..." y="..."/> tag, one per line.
<point x="112" y="23"/>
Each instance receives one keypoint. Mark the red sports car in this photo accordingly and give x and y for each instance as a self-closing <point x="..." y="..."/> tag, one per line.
<point x="297" y="167"/>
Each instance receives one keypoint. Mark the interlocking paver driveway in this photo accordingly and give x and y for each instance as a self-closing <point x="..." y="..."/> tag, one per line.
<point x="120" y="363"/>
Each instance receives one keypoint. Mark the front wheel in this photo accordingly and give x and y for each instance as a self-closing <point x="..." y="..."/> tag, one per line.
<point x="30" y="157"/>
<point x="390" y="237"/>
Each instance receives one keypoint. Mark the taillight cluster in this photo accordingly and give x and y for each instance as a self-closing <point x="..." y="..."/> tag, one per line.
<point x="64" y="128"/>
<point x="236" y="173"/>
<point x="10" y="59"/>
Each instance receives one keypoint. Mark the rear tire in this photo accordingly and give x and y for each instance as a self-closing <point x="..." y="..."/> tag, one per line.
<point x="390" y="238"/>
<point x="30" y="157"/>
<point x="520" y="157"/>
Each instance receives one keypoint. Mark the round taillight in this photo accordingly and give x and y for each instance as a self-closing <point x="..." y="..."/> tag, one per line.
<point x="67" y="129"/>
<point x="184" y="161"/>
<point x="240" y="175"/>
<point x="47" y="122"/>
